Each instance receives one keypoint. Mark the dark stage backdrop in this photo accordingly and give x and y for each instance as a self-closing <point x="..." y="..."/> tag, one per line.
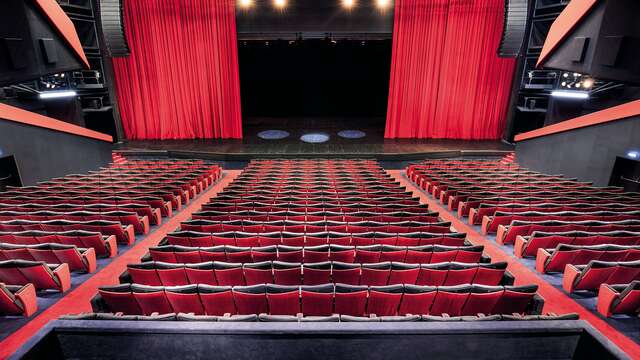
<point x="315" y="78"/>
<point x="181" y="80"/>
<point x="447" y="80"/>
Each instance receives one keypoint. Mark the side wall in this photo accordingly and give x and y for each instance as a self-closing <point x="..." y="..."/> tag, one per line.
<point x="43" y="153"/>
<point x="586" y="153"/>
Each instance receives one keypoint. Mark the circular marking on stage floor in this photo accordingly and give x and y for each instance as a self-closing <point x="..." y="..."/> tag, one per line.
<point x="315" y="138"/>
<point x="273" y="134"/>
<point x="352" y="134"/>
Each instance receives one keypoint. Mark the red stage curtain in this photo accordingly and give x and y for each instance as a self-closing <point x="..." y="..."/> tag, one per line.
<point x="447" y="80"/>
<point x="181" y="80"/>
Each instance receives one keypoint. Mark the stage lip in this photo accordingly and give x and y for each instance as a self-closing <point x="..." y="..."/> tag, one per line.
<point x="11" y="113"/>
<point x="620" y="112"/>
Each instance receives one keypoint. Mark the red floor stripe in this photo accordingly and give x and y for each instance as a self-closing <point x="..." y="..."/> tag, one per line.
<point x="79" y="299"/>
<point x="556" y="301"/>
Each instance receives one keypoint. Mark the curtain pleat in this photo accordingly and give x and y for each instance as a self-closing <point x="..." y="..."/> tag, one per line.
<point x="447" y="81"/>
<point x="181" y="80"/>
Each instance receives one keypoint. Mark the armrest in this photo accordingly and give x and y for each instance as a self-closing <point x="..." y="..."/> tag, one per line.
<point x="501" y="234"/>
<point x="541" y="257"/>
<point x="62" y="276"/>
<point x="130" y="234"/>
<point x="472" y="214"/>
<point x="461" y="208"/>
<point x="145" y="224"/>
<point x="606" y="296"/>
<point x="112" y="245"/>
<point x="26" y="296"/>
<point x="520" y="246"/>
<point x="571" y="274"/>
<point x="98" y="305"/>
<point x="486" y="221"/>
<point x="507" y="279"/>
<point x="537" y="305"/>
<point x="125" y="277"/>
<point x="89" y="259"/>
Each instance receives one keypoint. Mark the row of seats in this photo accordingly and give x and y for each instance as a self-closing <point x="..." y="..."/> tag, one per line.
<point x="526" y="246"/>
<point x="476" y="215"/>
<point x="154" y="215"/>
<point x="63" y="225"/>
<point x="319" y="300"/>
<point x="209" y="226"/>
<point x="372" y="253"/>
<point x="556" y="259"/>
<point x="596" y="273"/>
<point x="509" y="234"/>
<point x="589" y="234"/>
<point x="248" y="215"/>
<point x="140" y="223"/>
<point x="78" y="259"/>
<point x="283" y="273"/>
<point x="301" y="318"/>
<point x="204" y="239"/>
<point x="104" y="246"/>
<point x="490" y="224"/>
<point x="43" y="276"/>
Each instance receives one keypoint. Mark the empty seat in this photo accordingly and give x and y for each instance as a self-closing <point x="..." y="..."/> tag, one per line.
<point x="619" y="299"/>
<point x="18" y="300"/>
<point x="78" y="259"/>
<point x="555" y="259"/>
<point x="40" y="274"/>
<point x="321" y="300"/>
<point x="592" y="275"/>
<point x="104" y="246"/>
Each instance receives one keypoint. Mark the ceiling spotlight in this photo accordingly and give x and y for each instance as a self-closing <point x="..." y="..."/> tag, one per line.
<point x="383" y="4"/>
<point x="348" y="3"/>
<point x="245" y="3"/>
<point x="280" y="3"/>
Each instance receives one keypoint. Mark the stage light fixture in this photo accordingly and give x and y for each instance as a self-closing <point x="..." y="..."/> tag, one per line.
<point x="280" y="4"/>
<point x="383" y="4"/>
<point x="633" y="154"/>
<point x="57" y="94"/>
<point x="245" y="4"/>
<point x="348" y="3"/>
<point x="570" y="94"/>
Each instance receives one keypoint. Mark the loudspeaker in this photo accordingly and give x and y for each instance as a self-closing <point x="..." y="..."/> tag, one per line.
<point x="516" y="14"/>
<point x="605" y="43"/>
<point x="31" y="45"/>
<point x="111" y="19"/>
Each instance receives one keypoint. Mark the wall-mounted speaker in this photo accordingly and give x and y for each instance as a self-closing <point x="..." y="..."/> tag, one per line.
<point x="516" y="14"/>
<point x="31" y="44"/>
<point x="605" y="43"/>
<point x="112" y="21"/>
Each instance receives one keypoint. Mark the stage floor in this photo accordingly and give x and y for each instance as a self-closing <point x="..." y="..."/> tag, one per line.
<point x="372" y="145"/>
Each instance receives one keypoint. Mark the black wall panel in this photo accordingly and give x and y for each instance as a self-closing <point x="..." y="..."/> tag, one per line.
<point x="42" y="153"/>
<point x="587" y="154"/>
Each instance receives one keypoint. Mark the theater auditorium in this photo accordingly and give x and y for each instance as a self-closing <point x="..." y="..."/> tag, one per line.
<point x="319" y="179"/>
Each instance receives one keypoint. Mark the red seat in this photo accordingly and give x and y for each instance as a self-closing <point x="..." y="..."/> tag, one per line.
<point x="619" y="299"/>
<point x="41" y="275"/>
<point x="283" y="300"/>
<point x="77" y="259"/>
<point x="18" y="300"/>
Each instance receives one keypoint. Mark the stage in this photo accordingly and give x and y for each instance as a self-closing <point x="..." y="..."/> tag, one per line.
<point x="373" y="145"/>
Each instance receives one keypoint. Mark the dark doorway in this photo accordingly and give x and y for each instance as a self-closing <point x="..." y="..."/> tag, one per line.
<point x="311" y="83"/>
